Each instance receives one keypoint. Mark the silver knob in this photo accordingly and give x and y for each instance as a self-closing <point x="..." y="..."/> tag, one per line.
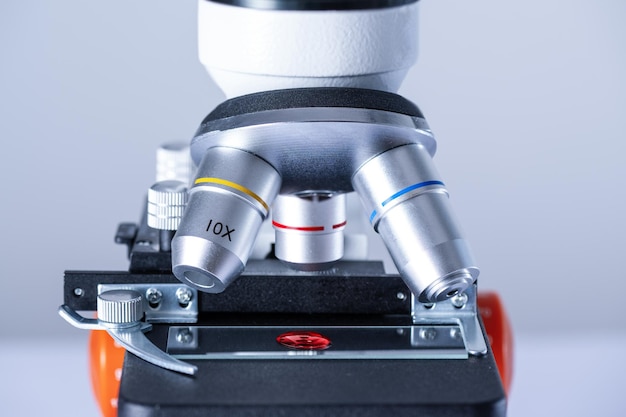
<point x="120" y="307"/>
<point x="166" y="203"/>
<point x="173" y="162"/>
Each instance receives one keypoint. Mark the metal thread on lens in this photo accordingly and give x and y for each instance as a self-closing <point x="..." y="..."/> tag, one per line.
<point x="408" y="206"/>
<point x="228" y="202"/>
<point x="309" y="229"/>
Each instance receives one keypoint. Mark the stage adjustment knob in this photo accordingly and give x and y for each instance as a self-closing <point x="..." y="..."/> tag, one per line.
<point x="120" y="307"/>
<point x="173" y="162"/>
<point x="166" y="203"/>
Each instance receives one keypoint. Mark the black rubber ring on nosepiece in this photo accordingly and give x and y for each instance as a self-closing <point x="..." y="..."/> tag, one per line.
<point x="356" y="98"/>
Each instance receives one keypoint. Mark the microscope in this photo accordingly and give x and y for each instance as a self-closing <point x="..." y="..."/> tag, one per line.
<point x="245" y="295"/>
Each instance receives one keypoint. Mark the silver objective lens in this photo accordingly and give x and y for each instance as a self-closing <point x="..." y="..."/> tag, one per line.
<point x="408" y="206"/>
<point x="309" y="229"/>
<point x="228" y="202"/>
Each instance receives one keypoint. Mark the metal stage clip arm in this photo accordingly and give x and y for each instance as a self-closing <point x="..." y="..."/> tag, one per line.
<point x="120" y="313"/>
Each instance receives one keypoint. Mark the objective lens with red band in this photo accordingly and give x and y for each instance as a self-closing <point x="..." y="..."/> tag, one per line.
<point x="309" y="229"/>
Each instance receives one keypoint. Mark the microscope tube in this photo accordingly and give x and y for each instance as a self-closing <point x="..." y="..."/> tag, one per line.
<point x="228" y="202"/>
<point x="408" y="206"/>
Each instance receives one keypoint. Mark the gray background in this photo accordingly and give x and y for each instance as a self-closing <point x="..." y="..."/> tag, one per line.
<point x="527" y="102"/>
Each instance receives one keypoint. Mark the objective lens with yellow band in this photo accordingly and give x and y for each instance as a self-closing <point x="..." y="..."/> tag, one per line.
<point x="228" y="202"/>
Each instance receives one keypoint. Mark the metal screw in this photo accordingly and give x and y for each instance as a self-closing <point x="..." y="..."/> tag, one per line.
<point x="428" y="333"/>
<point x="184" y="336"/>
<point x="401" y="296"/>
<point x="154" y="296"/>
<point x="459" y="300"/>
<point x="184" y="296"/>
<point x="455" y="333"/>
<point x="78" y="292"/>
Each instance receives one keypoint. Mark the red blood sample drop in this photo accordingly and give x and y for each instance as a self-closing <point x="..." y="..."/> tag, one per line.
<point x="303" y="340"/>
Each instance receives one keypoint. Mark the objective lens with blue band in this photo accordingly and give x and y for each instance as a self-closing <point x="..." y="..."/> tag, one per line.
<point x="410" y="209"/>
